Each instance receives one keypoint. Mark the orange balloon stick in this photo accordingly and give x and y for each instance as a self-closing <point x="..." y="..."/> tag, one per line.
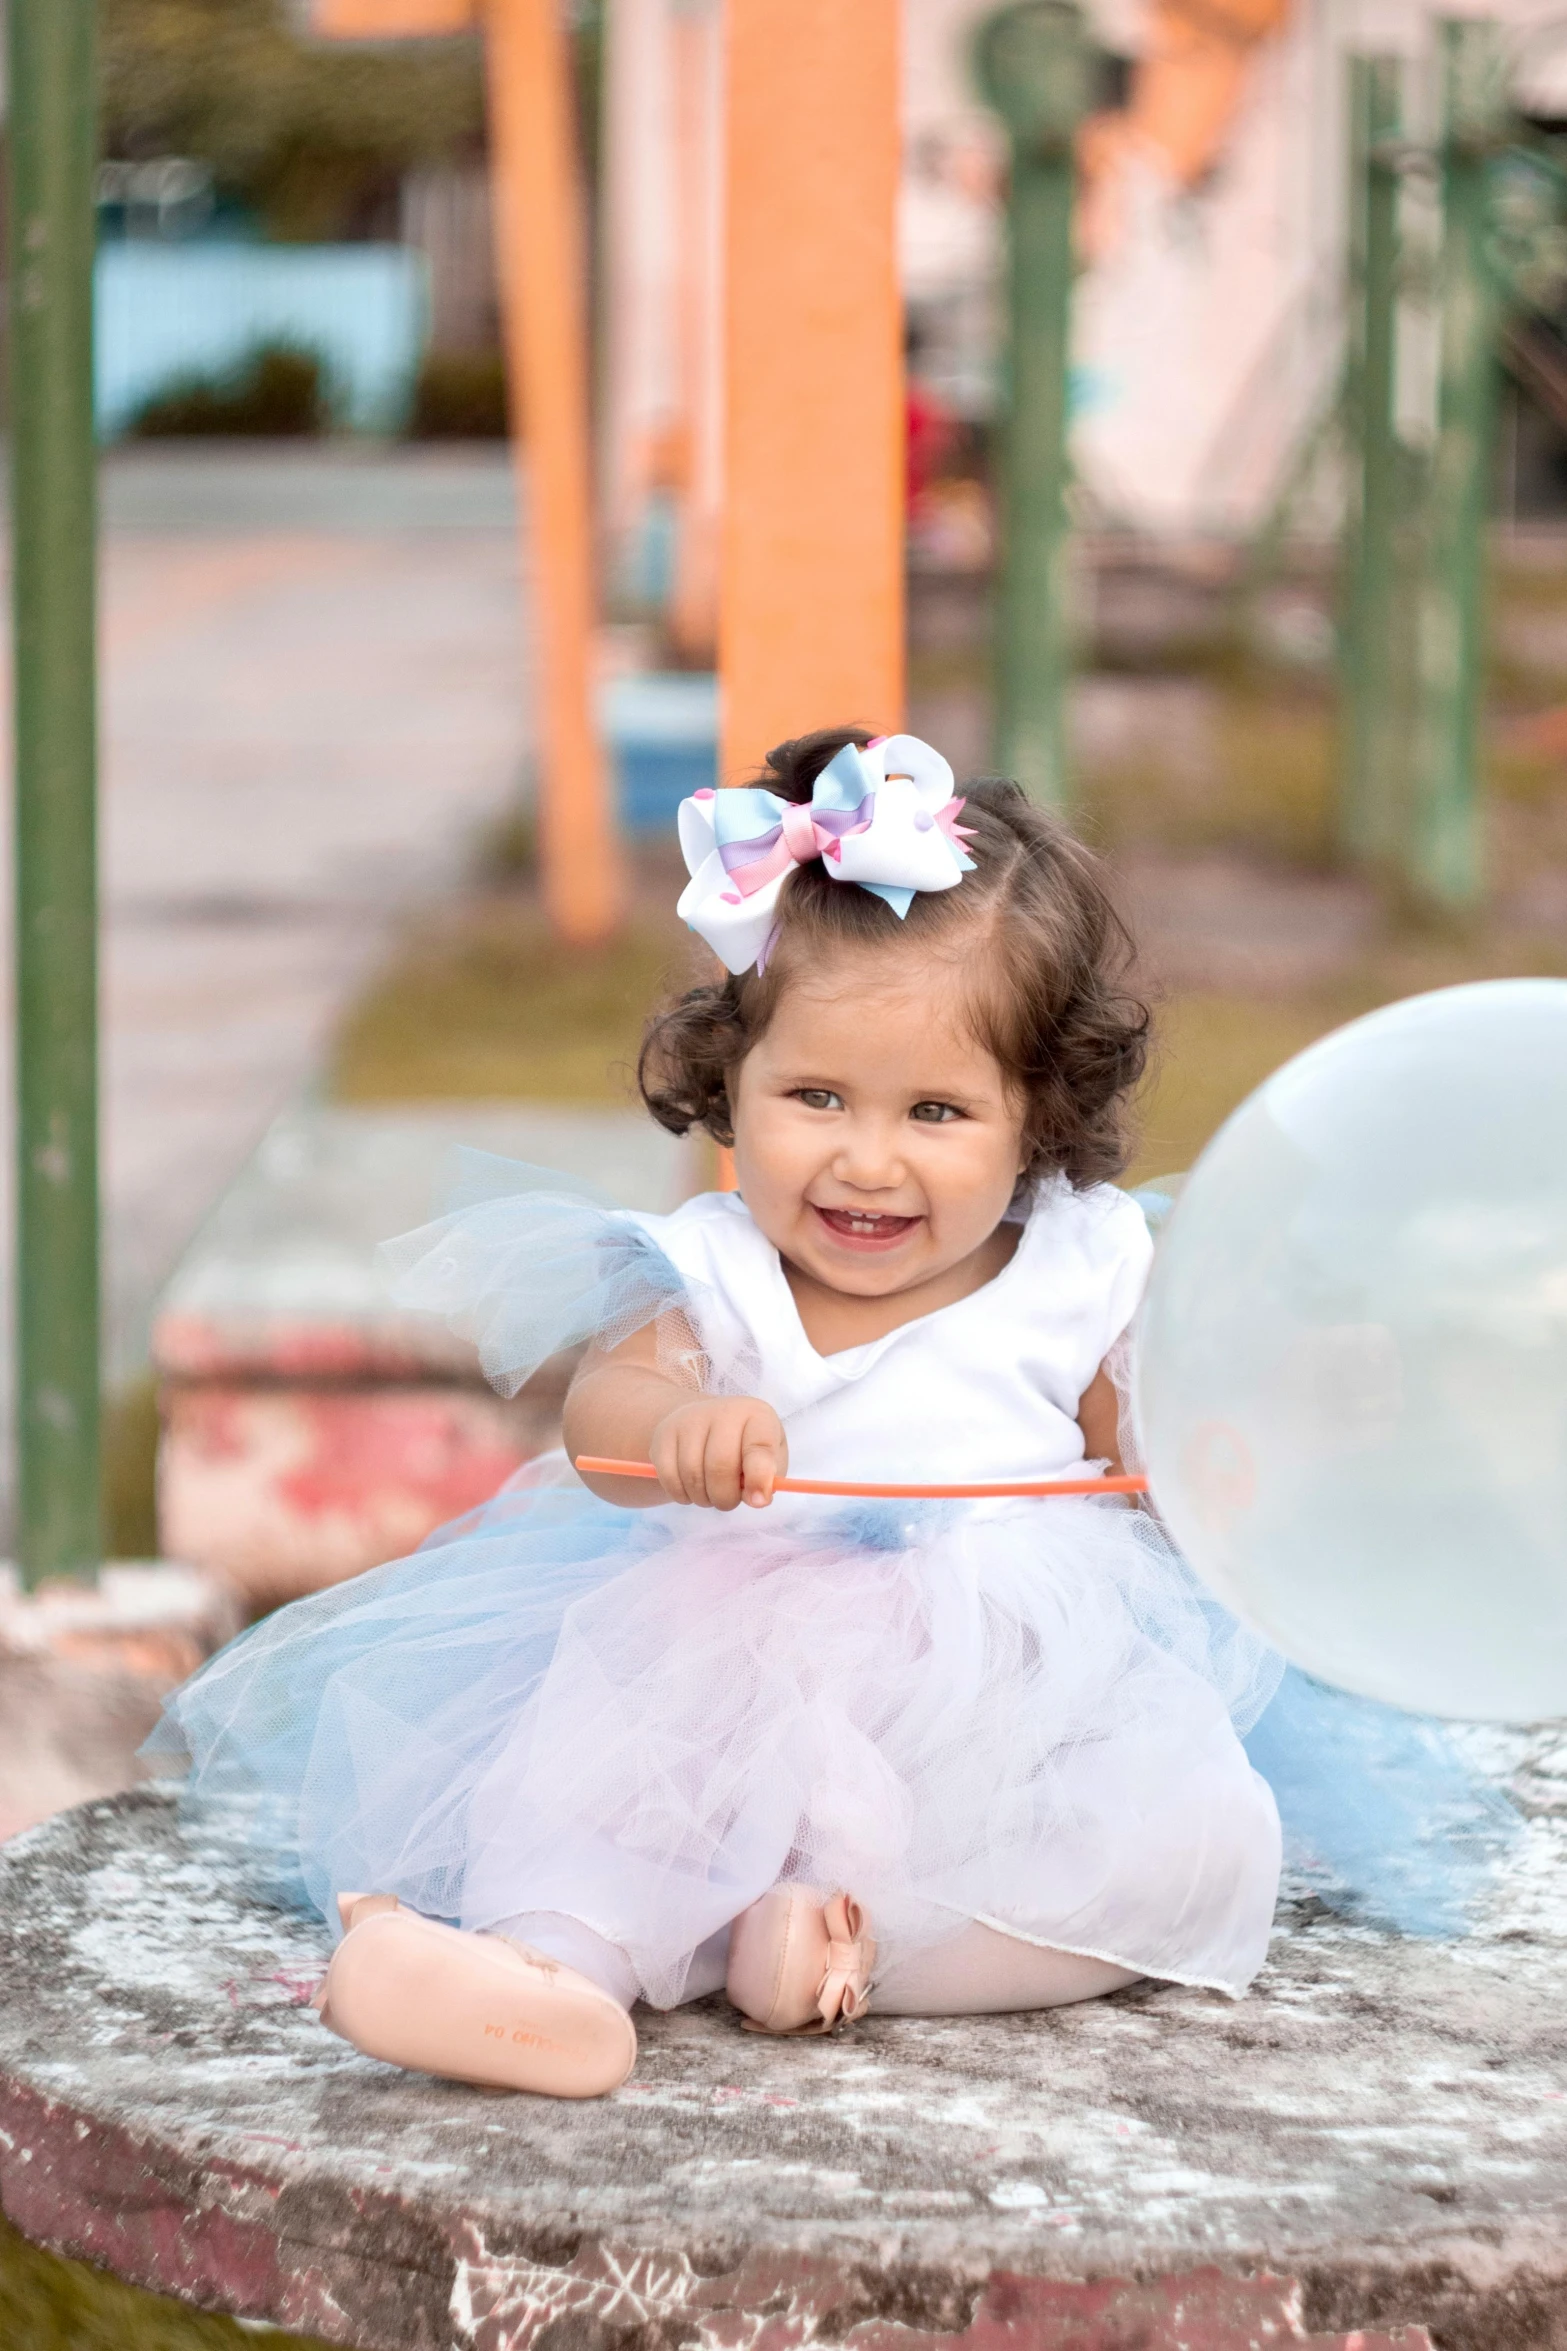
<point x="591" y="1465"/>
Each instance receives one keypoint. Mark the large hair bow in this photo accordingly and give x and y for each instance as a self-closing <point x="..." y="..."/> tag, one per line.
<point x="884" y="817"/>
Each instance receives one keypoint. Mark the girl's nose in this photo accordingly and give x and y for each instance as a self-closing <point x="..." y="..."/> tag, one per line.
<point x="868" y="1157"/>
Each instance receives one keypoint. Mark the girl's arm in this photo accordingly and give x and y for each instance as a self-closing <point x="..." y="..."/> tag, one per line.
<point x="1099" y="1418"/>
<point x="714" y="1450"/>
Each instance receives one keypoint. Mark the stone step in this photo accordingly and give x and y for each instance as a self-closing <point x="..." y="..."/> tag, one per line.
<point x="310" y="1428"/>
<point x="84" y="1671"/>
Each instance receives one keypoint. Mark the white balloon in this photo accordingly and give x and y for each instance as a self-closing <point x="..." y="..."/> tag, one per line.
<point x="1352" y="1374"/>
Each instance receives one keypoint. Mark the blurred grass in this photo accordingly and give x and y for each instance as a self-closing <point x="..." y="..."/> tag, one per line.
<point x="1265" y="788"/>
<point x="1214" y="1046"/>
<point x="486" y="1003"/>
<point x="1211" y="1051"/>
<point x="130" y="1460"/>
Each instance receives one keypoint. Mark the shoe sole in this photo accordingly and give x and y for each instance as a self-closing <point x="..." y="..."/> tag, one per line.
<point x="427" y="1998"/>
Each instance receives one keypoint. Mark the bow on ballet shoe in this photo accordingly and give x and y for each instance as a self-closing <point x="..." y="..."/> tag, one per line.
<point x="843" y="1986"/>
<point x="799" y="1963"/>
<point x="884" y="817"/>
<point x="851" y="1955"/>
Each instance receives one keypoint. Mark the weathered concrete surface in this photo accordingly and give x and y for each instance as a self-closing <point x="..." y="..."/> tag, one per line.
<point x="83" y="1677"/>
<point x="1375" y="2139"/>
<point x="310" y="1428"/>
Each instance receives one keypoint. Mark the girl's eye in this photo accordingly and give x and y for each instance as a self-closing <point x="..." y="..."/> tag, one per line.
<point x="934" y="1113"/>
<point x="818" y="1098"/>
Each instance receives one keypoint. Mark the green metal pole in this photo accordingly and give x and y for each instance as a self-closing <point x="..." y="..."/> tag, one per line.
<point x="1443" y="852"/>
<point x="53" y="144"/>
<point x="1034" y="66"/>
<point x="1372" y="799"/>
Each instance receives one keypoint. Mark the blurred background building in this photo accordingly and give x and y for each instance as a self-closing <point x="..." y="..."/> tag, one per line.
<point x="296" y="238"/>
<point x="264" y="194"/>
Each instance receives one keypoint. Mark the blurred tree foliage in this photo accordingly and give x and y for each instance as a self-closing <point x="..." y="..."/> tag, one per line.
<point x="314" y="136"/>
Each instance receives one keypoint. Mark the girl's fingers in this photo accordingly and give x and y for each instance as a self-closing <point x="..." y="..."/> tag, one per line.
<point x="721" y="1464"/>
<point x="764" y="1458"/>
<point x="759" y="1470"/>
<point x="677" y="1458"/>
<point x="717" y="1457"/>
<point x="664" y="1453"/>
<point x="692" y="1444"/>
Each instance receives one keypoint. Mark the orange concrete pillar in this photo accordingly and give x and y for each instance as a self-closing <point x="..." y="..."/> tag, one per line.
<point x="538" y="236"/>
<point x="811" y="589"/>
<point x="538" y="229"/>
<point x="699" y="79"/>
<point x="388" y="20"/>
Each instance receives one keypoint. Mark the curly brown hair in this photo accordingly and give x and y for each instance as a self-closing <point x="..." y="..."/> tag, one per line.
<point x="1045" y="958"/>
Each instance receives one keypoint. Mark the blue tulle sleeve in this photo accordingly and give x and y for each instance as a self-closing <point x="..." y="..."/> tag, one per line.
<point x="526" y="1265"/>
<point x="1382" y="1814"/>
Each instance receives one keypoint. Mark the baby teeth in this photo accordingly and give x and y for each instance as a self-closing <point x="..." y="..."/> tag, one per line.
<point x="868" y="1223"/>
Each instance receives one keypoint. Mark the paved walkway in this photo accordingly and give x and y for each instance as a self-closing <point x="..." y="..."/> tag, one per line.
<point x="313" y="698"/>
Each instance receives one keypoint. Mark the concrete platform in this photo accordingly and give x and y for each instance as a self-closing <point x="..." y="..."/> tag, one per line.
<point x="1370" y="2150"/>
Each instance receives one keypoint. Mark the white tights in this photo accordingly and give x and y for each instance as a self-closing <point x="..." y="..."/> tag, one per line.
<point x="980" y="1972"/>
<point x="575" y="1945"/>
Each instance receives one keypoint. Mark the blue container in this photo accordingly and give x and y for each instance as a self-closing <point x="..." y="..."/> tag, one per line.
<point x="663" y="737"/>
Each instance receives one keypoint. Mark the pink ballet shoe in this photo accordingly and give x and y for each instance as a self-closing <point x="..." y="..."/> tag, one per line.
<point x="797" y="1963"/>
<point x="473" y="2008"/>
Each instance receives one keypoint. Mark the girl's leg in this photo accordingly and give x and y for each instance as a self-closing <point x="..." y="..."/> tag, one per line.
<point x="798" y="1964"/>
<point x="472" y="2007"/>
<point x="983" y="1972"/>
<point x="605" y="1963"/>
<point x="575" y="1946"/>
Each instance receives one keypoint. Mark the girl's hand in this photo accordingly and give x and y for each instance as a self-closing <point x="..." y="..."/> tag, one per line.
<point x="719" y="1451"/>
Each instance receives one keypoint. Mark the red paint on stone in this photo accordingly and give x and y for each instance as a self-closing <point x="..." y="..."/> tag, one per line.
<point x="287" y="1489"/>
<point x="212" y="1422"/>
<point x="414" y="1442"/>
<point x="508" y="2303"/>
<point x="100" y="2196"/>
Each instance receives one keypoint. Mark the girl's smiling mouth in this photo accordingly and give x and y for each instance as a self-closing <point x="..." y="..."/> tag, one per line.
<point x="865" y="1228"/>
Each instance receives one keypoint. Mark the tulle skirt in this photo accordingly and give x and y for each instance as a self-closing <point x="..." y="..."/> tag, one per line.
<point x="1024" y="1714"/>
<point x="642" y="1720"/>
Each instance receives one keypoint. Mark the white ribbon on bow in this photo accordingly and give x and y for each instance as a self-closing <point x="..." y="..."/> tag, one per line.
<point x="884" y="817"/>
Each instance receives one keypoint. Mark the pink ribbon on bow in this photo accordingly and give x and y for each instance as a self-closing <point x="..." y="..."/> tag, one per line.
<point x="945" y="820"/>
<point x="801" y="834"/>
<point x="851" y="1955"/>
<point x="804" y="832"/>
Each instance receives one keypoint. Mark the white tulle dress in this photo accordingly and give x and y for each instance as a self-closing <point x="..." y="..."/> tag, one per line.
<point x="1024" y="1713"/>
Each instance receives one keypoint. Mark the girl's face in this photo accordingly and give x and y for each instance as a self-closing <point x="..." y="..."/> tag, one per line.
<point x="877" y="1145"/>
